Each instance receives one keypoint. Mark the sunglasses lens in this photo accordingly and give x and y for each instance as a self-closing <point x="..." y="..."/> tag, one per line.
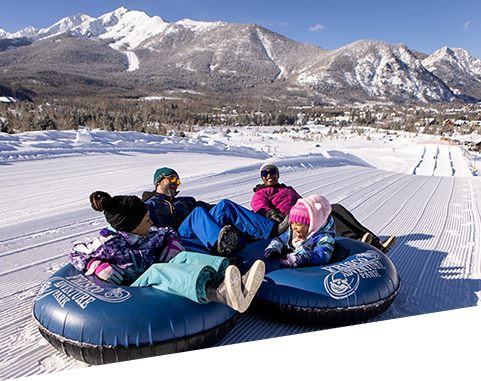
<point x="272" y="172"/>
<point x="174" y="179"/>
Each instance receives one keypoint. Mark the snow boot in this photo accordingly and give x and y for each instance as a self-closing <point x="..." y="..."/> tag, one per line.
<point x="388" y="244"/>
<point x="252" y="280"/>
<point x="235" y="291"/>
<point x="229" y="292"/>
<point x="366" y="238"/>
<point x="226" y="245"/>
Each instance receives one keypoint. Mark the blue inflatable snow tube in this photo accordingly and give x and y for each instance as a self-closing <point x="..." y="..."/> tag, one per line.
<point x="360" y="283"/>
<point x="99" y="323"/>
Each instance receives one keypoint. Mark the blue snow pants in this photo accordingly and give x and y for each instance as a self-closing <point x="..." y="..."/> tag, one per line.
<point x="185" y="275"/>
<point x="206" y="224"/>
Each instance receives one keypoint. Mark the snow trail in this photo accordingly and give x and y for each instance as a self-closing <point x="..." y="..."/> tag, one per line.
<point x="45" y="210"/>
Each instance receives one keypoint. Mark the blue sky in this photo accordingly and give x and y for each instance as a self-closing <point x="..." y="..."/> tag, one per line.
<point x="423" y="25"/>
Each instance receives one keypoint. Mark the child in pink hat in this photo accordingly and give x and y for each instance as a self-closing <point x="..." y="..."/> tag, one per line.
<point x="310" y="238"/>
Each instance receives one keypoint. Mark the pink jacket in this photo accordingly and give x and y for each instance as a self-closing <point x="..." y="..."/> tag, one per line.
<point x="281" y="197"/>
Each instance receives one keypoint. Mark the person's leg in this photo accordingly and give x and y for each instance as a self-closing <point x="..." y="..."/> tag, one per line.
<point x="202" y="225"/>
<point x="226" y="285"/>
<point x="185" y="275"/>
<point x="219" y="264"/>
<point x="348" y="226"/>
<point x="227" y="212"/>
<point x="235" y="291"/>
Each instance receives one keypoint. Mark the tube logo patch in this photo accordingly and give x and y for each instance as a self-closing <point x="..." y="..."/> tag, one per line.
<point x="344" y="278"/>
<point x="81" y="290"/>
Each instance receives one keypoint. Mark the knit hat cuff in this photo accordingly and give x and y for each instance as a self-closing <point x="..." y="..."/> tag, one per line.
<point x="300" y="214"/>
<point x="267" y="166"/>
<point x="161" y="173"/>
<point x="300" y="220"/>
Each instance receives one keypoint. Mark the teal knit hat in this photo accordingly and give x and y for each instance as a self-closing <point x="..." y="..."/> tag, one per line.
<point x="161" y="173"/>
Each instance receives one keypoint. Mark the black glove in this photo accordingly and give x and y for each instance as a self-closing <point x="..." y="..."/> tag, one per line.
<point x="275" y="215"/>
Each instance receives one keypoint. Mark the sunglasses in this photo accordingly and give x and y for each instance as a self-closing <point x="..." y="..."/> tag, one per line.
<point x="173" y="179"/>
<point x="271" y="172"/>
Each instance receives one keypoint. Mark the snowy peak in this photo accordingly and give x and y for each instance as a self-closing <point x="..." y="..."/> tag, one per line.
<point x="62" y="26"/>
<point x="456" y="57"/>
<point x="378" y="69"/>
<point x="112" y="18"/>
<point x="131" y="28"/>
<point x="459" y="70"/>
<point x="127" y="28"/>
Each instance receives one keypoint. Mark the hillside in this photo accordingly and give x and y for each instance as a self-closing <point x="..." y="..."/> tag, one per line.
<point x="135" y="55"/>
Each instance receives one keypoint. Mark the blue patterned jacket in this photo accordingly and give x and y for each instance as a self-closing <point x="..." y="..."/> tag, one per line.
<point x="316" y="250"/>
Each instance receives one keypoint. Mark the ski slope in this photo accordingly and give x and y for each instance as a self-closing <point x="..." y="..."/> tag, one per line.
<point x="433" y="209"/>
<point x="442" y="160"/>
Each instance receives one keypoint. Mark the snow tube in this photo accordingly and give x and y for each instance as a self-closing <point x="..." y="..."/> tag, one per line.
<point x="360" y="282"/>
<point x="99" y="323"/>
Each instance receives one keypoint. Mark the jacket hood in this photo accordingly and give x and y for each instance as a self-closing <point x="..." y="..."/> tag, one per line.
<point x="319" y="210"/>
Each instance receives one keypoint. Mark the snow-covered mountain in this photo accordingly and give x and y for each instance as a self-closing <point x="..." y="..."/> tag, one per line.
<point x="378" y="69"/>
<point x="458" y="69"/>
<point x="131" y="50"/>
<point x="127" y="28"/>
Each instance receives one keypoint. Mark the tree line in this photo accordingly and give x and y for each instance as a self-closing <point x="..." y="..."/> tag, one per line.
<point x="162" y="116"/>
<point x="132" y="115"/>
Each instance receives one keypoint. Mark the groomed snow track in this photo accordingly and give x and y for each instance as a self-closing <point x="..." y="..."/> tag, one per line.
<point x="436" y="220"/>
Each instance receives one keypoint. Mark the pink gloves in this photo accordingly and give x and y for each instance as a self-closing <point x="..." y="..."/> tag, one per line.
<point x="105" y="271"/>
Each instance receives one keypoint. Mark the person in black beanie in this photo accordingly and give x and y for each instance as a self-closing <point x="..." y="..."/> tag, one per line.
<point x="131" y="249"/>
<point x="122" y="212"/>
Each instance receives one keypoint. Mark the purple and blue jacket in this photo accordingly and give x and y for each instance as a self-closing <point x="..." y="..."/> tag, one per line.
<point x="131" y="252"/>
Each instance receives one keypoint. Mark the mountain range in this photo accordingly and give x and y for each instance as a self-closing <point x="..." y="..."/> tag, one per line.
<point x="130" y="54"/>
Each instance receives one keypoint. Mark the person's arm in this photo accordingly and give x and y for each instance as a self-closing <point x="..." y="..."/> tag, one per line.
<point x="82" y="253"/>
<point x="276" y="247"/>
<point x="260" y="202"/>
<point x="130" y="259"/>
<point x="299" y="258"/>
<point x="171" y="245"/>
<point x="317" y="250"/>
<point x="275" y="215"/>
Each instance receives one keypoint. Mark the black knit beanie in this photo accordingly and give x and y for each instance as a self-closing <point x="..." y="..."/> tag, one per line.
<point x="123" y="213"/>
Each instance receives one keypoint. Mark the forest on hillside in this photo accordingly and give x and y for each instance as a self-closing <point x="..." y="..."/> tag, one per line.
<point x="163" y="116"/>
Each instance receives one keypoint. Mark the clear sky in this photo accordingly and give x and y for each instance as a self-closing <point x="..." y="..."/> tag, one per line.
<point x="423" y="25"/>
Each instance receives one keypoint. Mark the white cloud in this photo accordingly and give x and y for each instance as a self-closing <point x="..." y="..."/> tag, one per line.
<point x="466" y="26"/>
<point x="316" y="28"/>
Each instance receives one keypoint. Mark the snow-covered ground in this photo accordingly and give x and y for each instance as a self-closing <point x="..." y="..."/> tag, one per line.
<point x="132" y="61"/>
<point x="417" y="188"/>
